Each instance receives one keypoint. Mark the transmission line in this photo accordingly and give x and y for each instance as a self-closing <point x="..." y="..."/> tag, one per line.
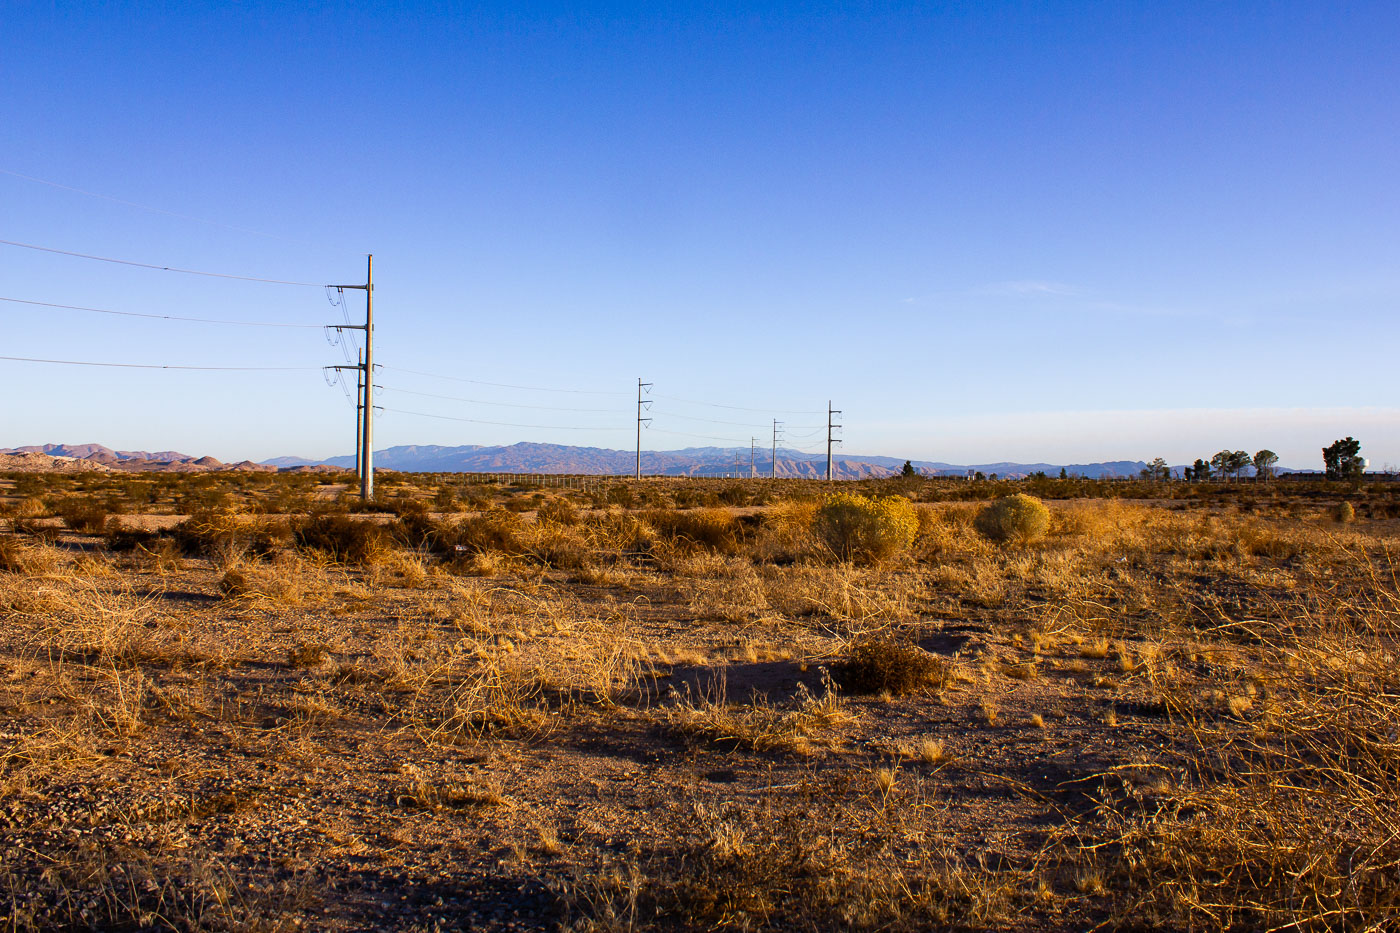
<point x="508" y="424"/>
<point x="500" y="385"/>
<point x="783" y="411"/>
<point x="147" y="207"/>
<point x="477" y="401"/>
<point x="245" y="369"/>
<point x="159" y="317"/>
<point x="148" y="265"/>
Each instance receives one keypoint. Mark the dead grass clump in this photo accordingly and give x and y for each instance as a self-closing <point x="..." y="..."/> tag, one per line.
<point x="1018" y="519"/>
<point x="83" y="515"/>
<point x="497" y="530"/>
<point x="762" y="726"/>
<point x="715" y="529"/>
<point x="778" y="868"/>
<point x="121" y="887"/>
<point x="450" y="795"/>
<point x="557" y="512"/>
<point x="26" y="559"/>
<point x="785" y="534"/>
<point x="886" y="666"/>
<point x="343" y="538"/>
<point x="221" y="535"/>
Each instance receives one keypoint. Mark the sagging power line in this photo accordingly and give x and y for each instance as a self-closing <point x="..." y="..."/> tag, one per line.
<point x="159" y="317"/>
<point x="158" y="268"/>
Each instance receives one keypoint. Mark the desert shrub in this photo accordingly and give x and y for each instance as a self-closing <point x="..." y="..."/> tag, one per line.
<point x="24" y="515"/>
<point x="1345" y="512"/>
<point x="497" y="530"/>
<point x="1018" y="518"/>
<point x="712" y="528"/>
<point x="557" y="512"/>
<point x="884" y="665"/>
<point x="561" y="546"/>
<point x="785" y="532"/>
<point x="860" y="528"/>
<point x="621" y="531"/>
<point x="84" y="516"/>
<point x="213" y="534"/>
<point x="18" y="557"/>
<point x="344" y="539"/>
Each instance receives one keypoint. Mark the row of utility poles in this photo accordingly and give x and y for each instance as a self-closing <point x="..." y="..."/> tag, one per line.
<point x="364" y="403"/>
<point x="644" y="406"/>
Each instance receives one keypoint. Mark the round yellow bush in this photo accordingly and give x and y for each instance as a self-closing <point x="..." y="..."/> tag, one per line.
<point x="1019" y="518"/>
<point x="861" y="528"/>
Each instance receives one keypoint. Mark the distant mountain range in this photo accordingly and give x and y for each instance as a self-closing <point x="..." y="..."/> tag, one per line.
<point x="559" y="458"/>
<point x="690" y="461"/>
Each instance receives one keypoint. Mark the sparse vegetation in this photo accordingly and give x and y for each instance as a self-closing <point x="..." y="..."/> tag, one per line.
<point x="248" y="699"/>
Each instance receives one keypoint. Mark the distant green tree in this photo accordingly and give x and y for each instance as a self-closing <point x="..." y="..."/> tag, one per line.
<point x="1238" y="462"/>
<point x="1063" y="474"/>
<point x="1221" y="463"/>
<point x="908" y="470"/>
<point x="1342" y="459"/>
<point x="1264" y="462"/>
<point x="1200" y="471"/>
<point x="978" y="476"/>
<point x="1157" y="470"/>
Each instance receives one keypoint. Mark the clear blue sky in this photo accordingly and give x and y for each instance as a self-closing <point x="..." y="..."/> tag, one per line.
<point x="1062" y="232"/>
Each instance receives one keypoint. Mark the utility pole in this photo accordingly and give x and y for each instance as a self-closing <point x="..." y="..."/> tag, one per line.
<point x="367" y="438"/>
<point x="640" y="386"/>
<point x="753" y="468"/>
<point x="773" y="472"/>
<point x="364" y="395"/>
<point x="829" y="439"/>
<point x="359" y="411"/>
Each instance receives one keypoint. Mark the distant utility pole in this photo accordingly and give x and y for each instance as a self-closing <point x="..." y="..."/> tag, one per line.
<point x="829" y="439"/>
<point x="640" y="386"/>
<point x="753" y="467"/>
<point x="777" y="425"/>
<point x="364" y="400"/>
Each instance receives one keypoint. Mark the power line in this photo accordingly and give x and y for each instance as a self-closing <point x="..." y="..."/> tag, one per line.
<point x="507" y="424"/>
<point x="708" y="437"/>
<point x="147" y="207"/>
<point x="159" y="317"/>
<point x="782" y="411"/>
<point x="477" y="401"/>
<point x="285" y="369"/>
<point x="499" y="385"/>
<point x="147" y="265"/>
<point x="738" y="424"/>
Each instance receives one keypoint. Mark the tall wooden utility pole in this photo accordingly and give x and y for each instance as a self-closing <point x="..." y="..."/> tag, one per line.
<point x="640" y="385"/>
<point x="829" y="439"/>
<point x="753" y="467"/>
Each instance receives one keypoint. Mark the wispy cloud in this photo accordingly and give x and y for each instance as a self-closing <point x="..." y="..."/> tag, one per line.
<point x="1028" y="288"/>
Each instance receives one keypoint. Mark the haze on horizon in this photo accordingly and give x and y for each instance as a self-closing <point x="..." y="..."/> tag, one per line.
<point x="1055" y="232"/>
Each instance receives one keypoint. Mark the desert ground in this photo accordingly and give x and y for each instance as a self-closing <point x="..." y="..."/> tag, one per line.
<point x="250" y="702"/>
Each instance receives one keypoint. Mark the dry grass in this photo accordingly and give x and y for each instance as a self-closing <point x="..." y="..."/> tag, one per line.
<point x="616" y="718"/>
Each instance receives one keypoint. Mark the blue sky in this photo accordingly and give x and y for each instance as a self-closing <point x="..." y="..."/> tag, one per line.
<point x="1062" y="232"/>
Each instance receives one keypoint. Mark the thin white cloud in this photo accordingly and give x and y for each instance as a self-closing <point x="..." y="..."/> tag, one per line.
<point x="1026" y="288"/>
